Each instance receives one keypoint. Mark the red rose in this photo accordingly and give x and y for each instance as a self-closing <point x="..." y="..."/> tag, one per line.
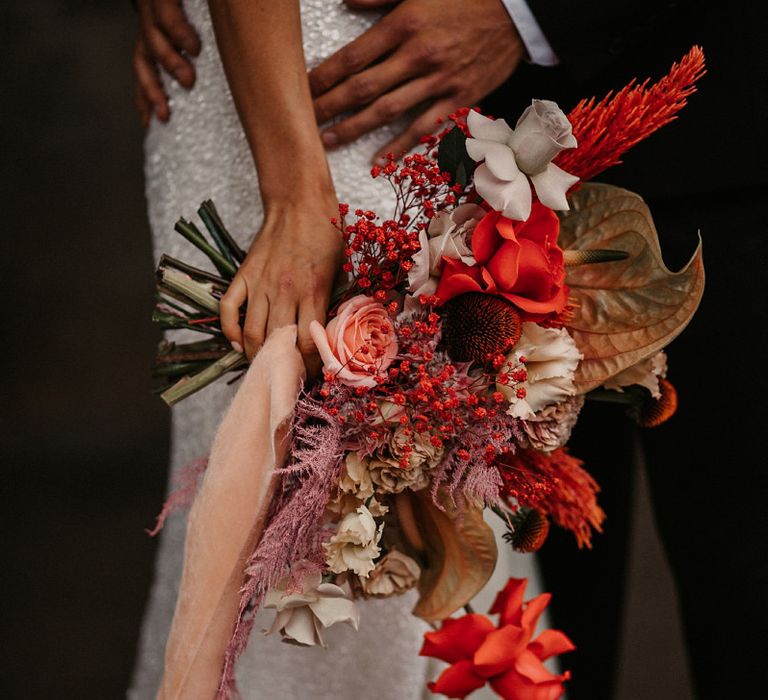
<point x="518" y="260"/>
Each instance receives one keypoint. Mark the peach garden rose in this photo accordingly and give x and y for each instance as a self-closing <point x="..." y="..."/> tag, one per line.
<point x="358" y="343"/>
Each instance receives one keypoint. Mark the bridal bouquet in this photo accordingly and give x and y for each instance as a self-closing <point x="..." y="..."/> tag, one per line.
<point x="473" y="324"/>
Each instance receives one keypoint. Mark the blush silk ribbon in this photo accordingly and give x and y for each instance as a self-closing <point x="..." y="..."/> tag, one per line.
<point x="227" y="518"/>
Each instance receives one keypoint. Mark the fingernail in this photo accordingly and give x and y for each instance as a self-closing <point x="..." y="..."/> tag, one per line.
<point x="329" y="138"/>
<point x="237" y="347"/>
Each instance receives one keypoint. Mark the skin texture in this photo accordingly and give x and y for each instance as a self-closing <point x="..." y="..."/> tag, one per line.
<point x="166" y="39"/>
<point x="444" y="55"/>
<point x="288" y="273"/>
<point x="425" y="57"/>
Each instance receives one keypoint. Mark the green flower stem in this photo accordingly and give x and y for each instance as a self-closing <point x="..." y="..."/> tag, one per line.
<point x="195" y="273"/>
<point x="194" y="236"/>
<point x="189" y="385"/>
<point x="608" y="396"/>
<point x="183" y="284"/>
<point x="226" y="244"/>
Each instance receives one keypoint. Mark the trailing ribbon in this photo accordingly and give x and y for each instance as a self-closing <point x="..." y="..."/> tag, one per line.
<point x="228" y="516"/>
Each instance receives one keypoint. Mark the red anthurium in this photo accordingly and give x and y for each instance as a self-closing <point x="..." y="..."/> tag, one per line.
<point x="518" y="260"/>
<point x="506" y="657"/>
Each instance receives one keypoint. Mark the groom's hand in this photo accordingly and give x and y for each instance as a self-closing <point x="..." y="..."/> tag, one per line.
<point x="435" y="54"/>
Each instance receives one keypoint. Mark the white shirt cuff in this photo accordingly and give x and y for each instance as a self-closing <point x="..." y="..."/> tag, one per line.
<point x="540" y="52"/>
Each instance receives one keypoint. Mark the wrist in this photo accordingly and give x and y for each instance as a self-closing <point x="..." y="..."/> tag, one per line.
<point x="297" y="180"/>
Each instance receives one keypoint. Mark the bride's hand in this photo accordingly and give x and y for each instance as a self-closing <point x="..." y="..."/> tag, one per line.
<point x="287" y="277"/>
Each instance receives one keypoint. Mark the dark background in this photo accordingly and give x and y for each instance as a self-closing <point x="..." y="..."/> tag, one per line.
<point x="84" y="442"/>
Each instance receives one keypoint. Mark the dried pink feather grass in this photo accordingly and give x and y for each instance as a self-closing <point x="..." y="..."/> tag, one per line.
<point x="305" y="486"/>
<point x="186" y="481"/>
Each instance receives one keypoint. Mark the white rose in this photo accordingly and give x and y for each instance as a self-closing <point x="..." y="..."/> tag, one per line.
<point x="355" y="544"/>
<point x="302" y="615"/>
<point x="540" y="134"/>
<point x="645" y="373"/>
<point x="551" y="359"/>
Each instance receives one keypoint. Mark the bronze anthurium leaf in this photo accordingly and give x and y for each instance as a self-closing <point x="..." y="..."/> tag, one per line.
<point x="458" y="555"/>
<point x="629" y="309"/>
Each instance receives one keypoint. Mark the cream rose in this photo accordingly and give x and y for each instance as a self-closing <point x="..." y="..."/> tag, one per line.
<point x="540" y="134"/>
<point x="447" y="236"/>
<point x="302" y="615"/>
<point x="355" y="544"/>
<point x="551" y="359"/>
<point x="394" y="574"/>
<point x="358" y="343"/>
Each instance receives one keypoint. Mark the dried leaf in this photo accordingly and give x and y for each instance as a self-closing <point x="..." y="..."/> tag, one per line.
<point x="627" y="309"/>
<point x="459" y="558"/>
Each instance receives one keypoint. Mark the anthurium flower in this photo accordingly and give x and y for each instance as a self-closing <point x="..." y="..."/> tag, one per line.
<point x="504" y="656"/>
<point x="513" y="156"/>
<point x="518" y="260"/>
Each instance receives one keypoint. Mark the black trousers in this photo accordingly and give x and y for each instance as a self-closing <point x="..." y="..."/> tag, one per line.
<point x="707" y="470"/>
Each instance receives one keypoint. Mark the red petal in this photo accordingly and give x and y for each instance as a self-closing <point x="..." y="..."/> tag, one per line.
<point x="458" y="278"/>
<point x="551" y="643"/>
<point x="458" y="681"/>
<point x="542" y="226"/>
<point x="506" y="228"/>
<point x="533" y="610"/>
<point x="504" y="266"/>
<point x="509" y="602"/>
<point x="500" y="650"/>
<point x="531" y="667"/>
<point x="538" y="310"/>
<point x="534" y="272"/>
<point x="458" y="638"/>
<point x="485" y="237"/>
<point x="513" y="686"/>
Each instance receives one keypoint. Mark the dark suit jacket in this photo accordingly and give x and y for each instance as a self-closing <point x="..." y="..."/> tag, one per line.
<point x="720" y="140"/>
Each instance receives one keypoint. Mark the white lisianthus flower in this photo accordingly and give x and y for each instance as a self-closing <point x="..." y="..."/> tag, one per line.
<point x="645" y="373"/>
<point x="302" y="615"/>
<point x="550" y="358"/>
<point x="355" y="544"/>
<point x="513" y="156"/>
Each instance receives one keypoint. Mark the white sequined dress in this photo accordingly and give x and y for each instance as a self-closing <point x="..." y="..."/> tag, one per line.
<point x="202" y="153"/>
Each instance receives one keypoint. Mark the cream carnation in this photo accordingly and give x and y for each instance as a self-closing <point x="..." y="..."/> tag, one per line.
<point x="645" y="373"/>
<point x="551" y="358"/>
<point x="551" y="427"/>
<point x="302" y="615"/>
<point x="387" y="470"/>
<point x="355" y="544"/>
<point x="394" y="574"/>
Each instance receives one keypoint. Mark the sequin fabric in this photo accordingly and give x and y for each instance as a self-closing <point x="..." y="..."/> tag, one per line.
<point x="202" y="153"/>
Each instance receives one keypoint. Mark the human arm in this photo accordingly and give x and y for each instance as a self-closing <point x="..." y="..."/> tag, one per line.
<point x="289" y="270"/>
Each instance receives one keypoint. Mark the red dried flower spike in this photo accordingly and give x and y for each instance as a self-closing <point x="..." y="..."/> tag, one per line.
<point x="607" y="129"/>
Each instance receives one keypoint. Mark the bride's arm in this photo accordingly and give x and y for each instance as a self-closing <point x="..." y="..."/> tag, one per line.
<point x="288" y="273"/>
